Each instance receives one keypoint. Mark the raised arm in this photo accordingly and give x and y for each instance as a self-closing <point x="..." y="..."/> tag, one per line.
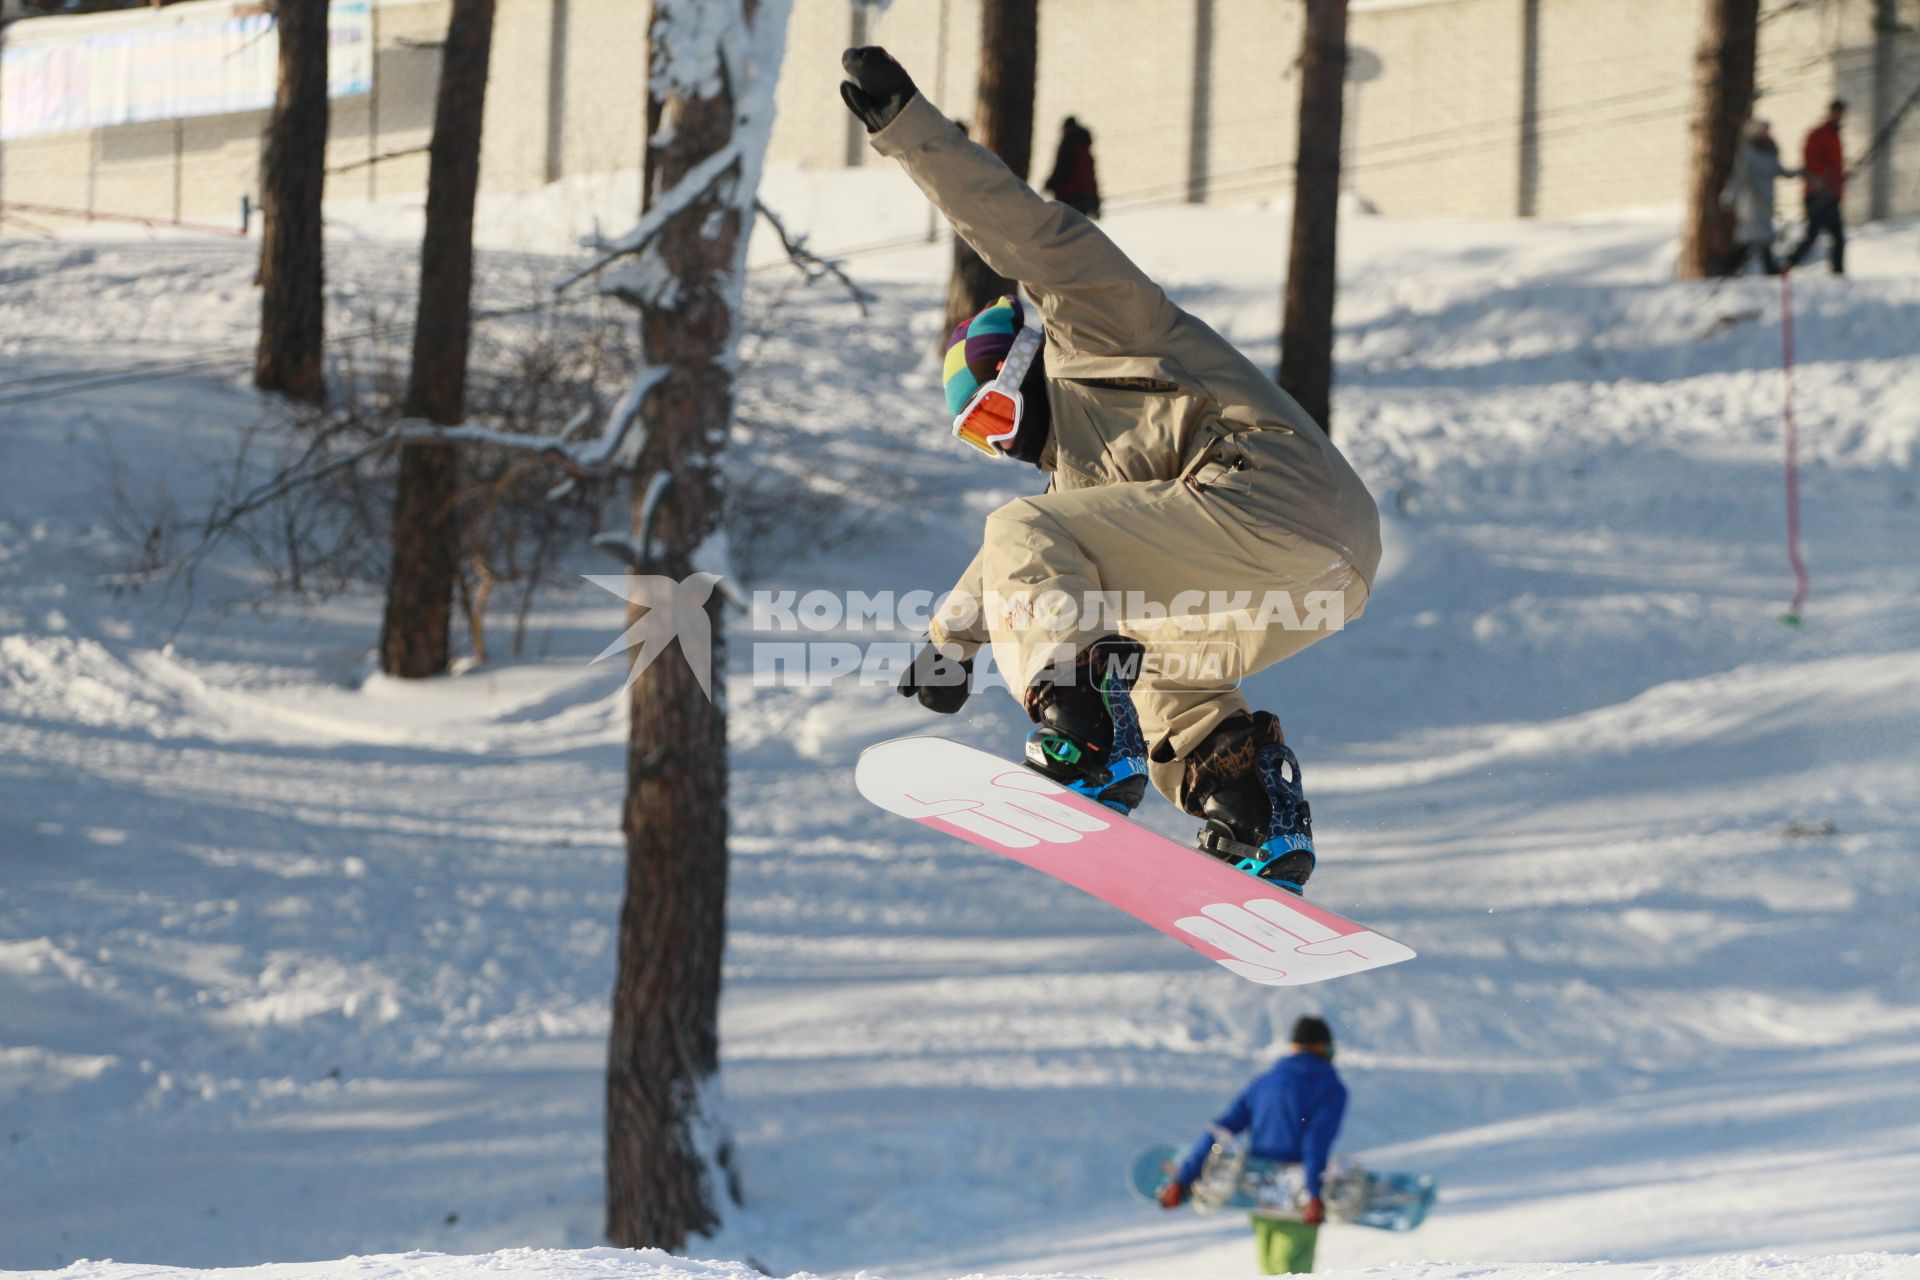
<point x="1091" y="295"/>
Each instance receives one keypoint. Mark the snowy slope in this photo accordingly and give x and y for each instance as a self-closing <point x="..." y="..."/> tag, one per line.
<point x="298" y="963"/>
<point x="651" y="1264"/>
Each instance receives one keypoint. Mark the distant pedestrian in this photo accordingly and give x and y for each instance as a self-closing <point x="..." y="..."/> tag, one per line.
<point x="1073" y="181"/>
<point x="1292" y="1114"/>
<point x="1749" y="193"/>
<point x="1825" y="170"/>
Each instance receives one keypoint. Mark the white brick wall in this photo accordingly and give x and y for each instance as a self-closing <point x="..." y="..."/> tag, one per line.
<point x="1435" y="130"/>
<point x="603" y="95"/>
<point x="1434" y="112"/>
<point x="1254" y="100"/>
<point x="1124" y="68"/>
<point x="1436" y="134"/>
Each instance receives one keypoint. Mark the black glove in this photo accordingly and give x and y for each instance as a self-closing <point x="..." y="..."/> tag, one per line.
<point x="876" y="88"/>
<point x="941" y="682"/>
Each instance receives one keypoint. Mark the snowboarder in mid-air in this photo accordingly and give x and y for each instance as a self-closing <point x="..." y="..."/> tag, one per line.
<point x="1291" y="1114"/>
<point x="1199" y="525"/>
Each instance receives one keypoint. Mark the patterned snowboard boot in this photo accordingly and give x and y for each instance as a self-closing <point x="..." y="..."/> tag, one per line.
<point x="1087" y="735"/>
<point x="1244" y="783"/>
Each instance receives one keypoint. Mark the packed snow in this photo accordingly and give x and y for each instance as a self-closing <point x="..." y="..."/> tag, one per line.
<point x="651" y="1264"/>
<point x="301" y="963"/>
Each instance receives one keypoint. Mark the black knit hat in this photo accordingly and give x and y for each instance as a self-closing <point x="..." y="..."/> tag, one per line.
<point x="1312" y="1032"/>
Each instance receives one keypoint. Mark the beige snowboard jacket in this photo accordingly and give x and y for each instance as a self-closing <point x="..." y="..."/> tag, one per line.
<point x="1139" y="389"/>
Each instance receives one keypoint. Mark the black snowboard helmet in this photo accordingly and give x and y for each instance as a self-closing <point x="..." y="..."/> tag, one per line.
<point x="1310" y="1032"/>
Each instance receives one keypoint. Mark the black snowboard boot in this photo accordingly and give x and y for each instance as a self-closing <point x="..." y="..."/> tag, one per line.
<point x="1088" y="736"/>
<point x="1244" y="783"/>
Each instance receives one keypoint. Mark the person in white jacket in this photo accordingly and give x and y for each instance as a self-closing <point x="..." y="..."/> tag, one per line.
<point x="1749" y="193"/>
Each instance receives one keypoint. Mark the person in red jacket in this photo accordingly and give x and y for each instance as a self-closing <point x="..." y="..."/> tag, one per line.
<point x="1826" y="177"/>
<point x="1073" y="181"/>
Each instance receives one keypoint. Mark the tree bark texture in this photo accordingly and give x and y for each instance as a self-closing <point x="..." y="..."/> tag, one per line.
<point x="1723" y="73"/>
<point x="292" y="264"/>
<point x="664" y="1045"/>
<point x="1306" y="335"/>
<point x="415" y="637"/>
<point x="1003" y="124"/>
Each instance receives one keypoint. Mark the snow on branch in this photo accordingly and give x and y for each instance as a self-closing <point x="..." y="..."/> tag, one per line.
<point x="637" y="551"/>
<point x="616" y="447"/>
<point x="666" y="206"/>
<point x="812" y="265"/>
<point x="421" y="431"/>
<point x="624" y="435"/>
<point x="650" y="504"/>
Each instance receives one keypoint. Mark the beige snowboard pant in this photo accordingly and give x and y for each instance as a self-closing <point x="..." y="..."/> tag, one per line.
<point x="1196" y="569"/>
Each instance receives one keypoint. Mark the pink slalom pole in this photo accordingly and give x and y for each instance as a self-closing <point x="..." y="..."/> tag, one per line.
<point x="1793" y="452"/>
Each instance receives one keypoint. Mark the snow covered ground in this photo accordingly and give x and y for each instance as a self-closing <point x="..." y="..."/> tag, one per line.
<point x="298" y="963"/>
<point x="618" y="1264"/>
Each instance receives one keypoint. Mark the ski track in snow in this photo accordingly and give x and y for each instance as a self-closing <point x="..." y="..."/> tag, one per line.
<point x="301" y="963"/>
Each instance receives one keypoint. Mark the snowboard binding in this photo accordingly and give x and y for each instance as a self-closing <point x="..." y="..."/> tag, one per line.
<point x="1244" y="784"/>
<point x="1087" y="734"/>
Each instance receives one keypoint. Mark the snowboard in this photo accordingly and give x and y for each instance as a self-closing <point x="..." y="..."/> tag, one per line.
<point x="1256" y="930"/>
<point x="1270" y="1189"/>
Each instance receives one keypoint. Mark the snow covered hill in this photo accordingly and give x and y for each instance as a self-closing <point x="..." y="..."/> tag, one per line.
<point x="298" y="963"/>
<point x="651" y="1264"/>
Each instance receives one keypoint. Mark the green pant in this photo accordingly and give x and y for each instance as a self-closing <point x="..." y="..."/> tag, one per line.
<point x="1284" y="1246"/>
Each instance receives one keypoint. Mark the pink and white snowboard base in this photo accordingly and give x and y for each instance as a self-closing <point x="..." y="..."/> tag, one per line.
<point x="1264" y="934"/>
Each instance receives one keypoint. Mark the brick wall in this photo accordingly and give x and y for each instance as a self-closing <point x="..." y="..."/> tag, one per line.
<point x="603" y="99"/>
<point x="1185" y="98"/>
<point x="1435" y="130"/>
<point x="1443" y="119"/>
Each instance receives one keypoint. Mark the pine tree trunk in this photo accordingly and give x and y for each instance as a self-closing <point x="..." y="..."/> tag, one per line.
<point x="664" y="1045"/>
<point x="292" y="265"/>
<point x="1306" y="337"/>
<point x="415" y="637"/>
<point x="1003" y="124"/>
<point x="1723" y="72"/>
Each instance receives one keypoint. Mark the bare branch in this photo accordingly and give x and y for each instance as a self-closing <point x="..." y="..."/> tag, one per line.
<point x="286" y="482"/>
<point x="382" y="158"/>
<point x="223" y="520"/>
<point x="811" y="264"/>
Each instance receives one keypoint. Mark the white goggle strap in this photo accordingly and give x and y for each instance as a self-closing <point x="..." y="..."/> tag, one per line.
<point x="1013" y="370"/>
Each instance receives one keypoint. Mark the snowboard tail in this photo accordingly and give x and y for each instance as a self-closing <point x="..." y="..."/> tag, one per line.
<point x="1254" y="929"/>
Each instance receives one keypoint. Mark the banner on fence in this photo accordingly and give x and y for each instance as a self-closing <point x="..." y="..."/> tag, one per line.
<point x="65" y="74"/>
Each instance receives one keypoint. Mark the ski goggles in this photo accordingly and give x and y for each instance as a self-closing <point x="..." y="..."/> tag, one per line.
<point x="992" y="417"/>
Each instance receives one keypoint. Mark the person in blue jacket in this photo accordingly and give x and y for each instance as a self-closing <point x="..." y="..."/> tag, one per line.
<point x="1291" y="1114"/>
